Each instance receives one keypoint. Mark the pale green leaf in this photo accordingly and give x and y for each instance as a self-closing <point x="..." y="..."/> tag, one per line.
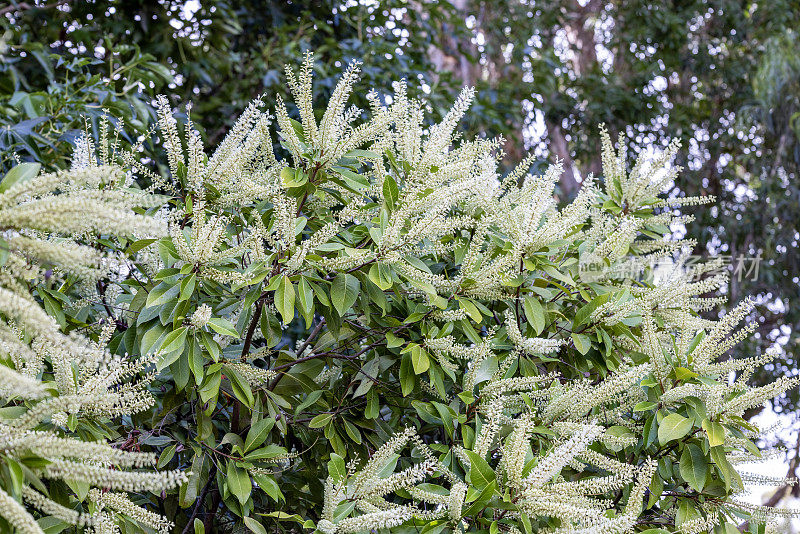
<point x="673" y="426"/>
<point x="19" y="174"/>
<point x="480" y="473"/>
<point x="254" y="526"/>
<point x="420" y="360"/>
<point x="715" y="432"/>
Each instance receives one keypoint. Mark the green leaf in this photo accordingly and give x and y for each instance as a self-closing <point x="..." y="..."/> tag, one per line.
<point x="336" y="468"/>
<point x="196" y="360"/>
<point x="17" y="476"/>
<point x="582" y="314"/>
<point x="309" y="400"/>
<point x="270" y="327"/>
<point x="199" y="527"/>
<point x="258" y="433"/>
<point x="472" y="310"/>
<point x="284" y="299"/>
<point x="352" y="179"/>
<point x="268" y="486"/>
<point x="729" y="474"/>
<point x="392" y="341"/>
<point x="320" y="420"/>
<point x="360" y="153"/>
<point x="4" y="250"/>
<point x="293" y="178"/>
<point x="480" y="473"/>
<point x="682" y="373"/>
<point x="240" y="386"/>
<point x="344" y="291"/>
<point x="213" y="348"/>
<point x="482" y="501"/>
<point x="644" y="406"/>
<point x="175" y="340"/>
<point x="166" y="456"/>
<point x="161" y="294"/>
<point x="210" y="386"/>
<point x="305" y="299"/>
<point x="238" y="482"/>
<point x="535" y="314"/>
<point x="673" y="426"/>
<point x="266" y="453"/>
<point x="582" y="343"/>
<point x="373" y="407"/>
<point x="223" y="326"/>
<point x="192" y="487"/>
<point x="694" y="466"/>
<point x="136" y="246"/>
<point x="187" y="287"/>
<point x="407" y="375"/>
<point x="390" y="192"/>
<point x="420" y="360"/>
<point x="446" y="416"/>
<point x="19" y="174"/>
<point x="381" y="276"/>
<point x="352" y="431"/>
<point x="254" y="526"/>
<point x="149" y="343"/>
<point x="715" y="432"/>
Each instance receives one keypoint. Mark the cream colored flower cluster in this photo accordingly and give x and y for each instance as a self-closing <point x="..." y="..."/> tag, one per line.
<point x="567" y="481"/>
<point x="439" y="226"/>
<point x="49" y="222"/>
<point x="371" y="489"/>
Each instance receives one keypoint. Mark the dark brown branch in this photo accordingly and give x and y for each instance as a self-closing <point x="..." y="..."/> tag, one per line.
<point x="251" y="329"/>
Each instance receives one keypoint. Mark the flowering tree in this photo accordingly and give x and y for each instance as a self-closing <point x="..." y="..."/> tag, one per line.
<point x="370" y="328"/>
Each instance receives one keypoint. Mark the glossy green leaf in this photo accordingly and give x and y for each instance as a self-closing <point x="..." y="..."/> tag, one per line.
<point x="223" y="326"/>
<point x="390" y="191"/>
<point x="480" y="473"/>
<point x="380" y="275"/>
<point x="582" y="343"/>
<point x="694" y="466"/>
<point x="238" y="482"/>
<point x="535" y="314"/>
<point x="258" y="433"/>
<point x="673" y="426"/>
<point x="320" y="420"/>
<point x="284" y="300"/>
<point x="240" y="386"/>
<point x="336" y="468"/>
<point x="344" y="291"/>
<point x="175" y="340"/>
<point x="161" y="294"/>
<point x="420" y="360"/>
